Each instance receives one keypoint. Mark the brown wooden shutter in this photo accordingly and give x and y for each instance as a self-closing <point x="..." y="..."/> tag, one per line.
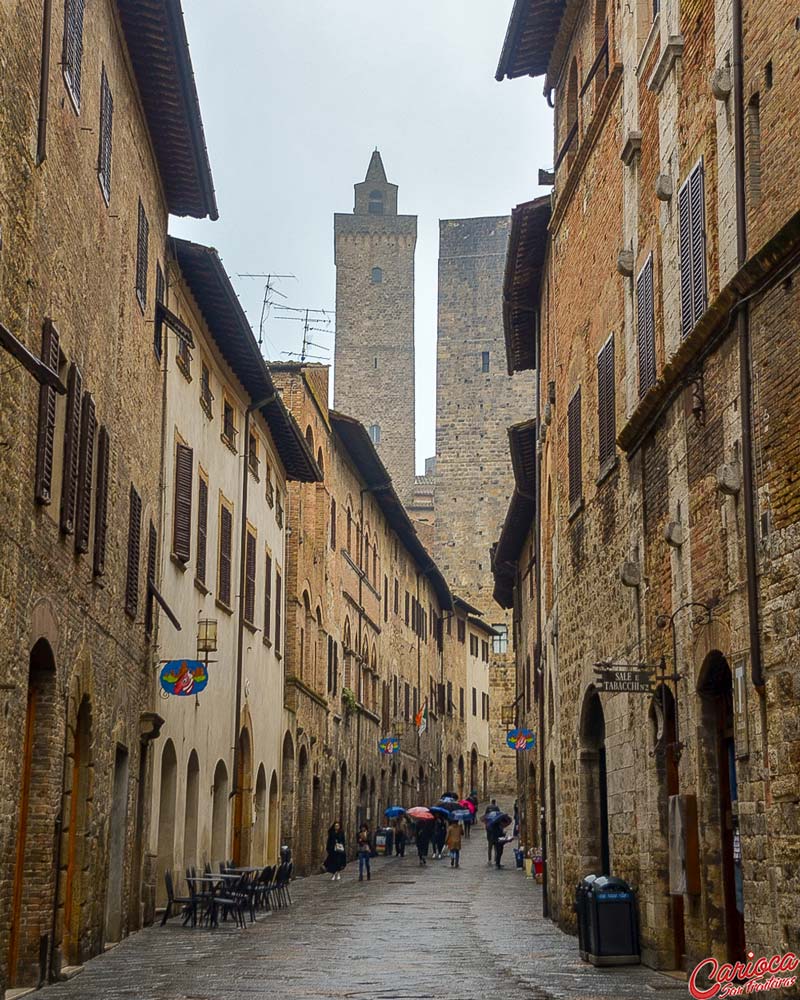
<point x="72" y="55"/>
<point x="182" y="522"/>
<point x="202" y="529"/>
<point x="134" y="553"/>
<point x="101" y="503"/>
<point x="72" y="432"/>
<point x="278" y="615"/>
<point x="685" y="240"/>
<point x="575" y="445"/>
<point x="268" y="597"/>
<point x="152" y="546"/>
<point x="106" y="127"/>
<point x="142" y="234"/>
<point x="83" y="519"/>
<point x="45" y="441"/>
<point x="333" y="523"/>
<point x="250" y="579"/>
<point x="606" y="402"/>
<point x="225" y="542"/>
<point x="697" y="207"/>
<point x="646" y="327"/>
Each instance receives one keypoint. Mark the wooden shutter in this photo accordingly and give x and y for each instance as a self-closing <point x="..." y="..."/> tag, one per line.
<point x="698" y="225"/>
<point x="152" y="546"/>
<point x="225" y="544"/>
<point x="333" y="523"/>
<point x="250" y="579"/>
<point x="43" y="483"/>
<point x="606" y="402"/>
<point x="72" y="432"/>
<point x="278" y="599"/>
<point x="106" y="127"/>
<point x="646" y="327"/>
<point x="202" y="529"/>
<point x="72" y="56"/>
<point x="83" y="519"/>
<point x="134" y="552"/>
<point x="141" y="255"/>
<point x="101" y="503"/>
<point x="182" y="515"/>
<point x="574" y="447"/>
<point x="268" y="596"/>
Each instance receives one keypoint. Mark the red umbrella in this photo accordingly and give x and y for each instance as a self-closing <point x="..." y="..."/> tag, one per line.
<point x="420" y="812"/>
<point x="466" y="804"/>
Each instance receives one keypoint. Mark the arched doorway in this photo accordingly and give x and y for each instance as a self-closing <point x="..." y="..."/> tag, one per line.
<point x="718" y="759"/>
<point x="473" y="770"/>
<point x="531" y="827"/>
<point x="273" y="827"/>
<point x="371" y="804"/>
<point x="486" y="779"/>
<point x="552" y="849"/>
<point x="316" y="823"/>
<point x="116" y="847"/>
<point x="219" y="814"/>
<point x="243" y="807"/>
<point x="287" y="789"/>
<point x="422" y="795"/>
<point x="41" y="758"/>
<point x="259" y="853"/>
<point x="449" y="773"/>
<point x="404" y="790"/>
<point x="303" y="810"/>
<point x="344" y="810"/>
<point x="393" y="796"/>
<point x="333" y="799"/>
<point x="363" y="791"/>
<point x="461" y="792"/>
<point x="191" y="811"/>
<point x="593" y="804"/>
<point x="77" y="833"/>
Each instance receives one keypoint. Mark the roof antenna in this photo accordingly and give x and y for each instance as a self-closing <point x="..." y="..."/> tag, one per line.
<point x="309" y="317"/>
<point x="268" y="302"/>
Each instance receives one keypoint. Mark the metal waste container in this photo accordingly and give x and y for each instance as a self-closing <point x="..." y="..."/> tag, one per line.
<point x="581" y="908"/>
<point x="612" y="925"/>
<point x="384" y="840"/>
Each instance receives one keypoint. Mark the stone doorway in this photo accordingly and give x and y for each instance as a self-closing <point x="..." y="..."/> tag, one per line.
<point x="593" y="806"/>
<point x="191" y="810"/>
<point x="287" y="789"/>
<point x="77" y="834"/>
<point x="243" y="809"/>
<point x="166" y="819"/>
<point x="273" y="827"/>
<point x="219" y="815"/>
<point x="259" y="852"/>
<point x="116" y="847"/>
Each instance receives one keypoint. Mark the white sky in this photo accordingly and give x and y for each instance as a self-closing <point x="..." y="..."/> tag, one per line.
<point x="295" y="96"/>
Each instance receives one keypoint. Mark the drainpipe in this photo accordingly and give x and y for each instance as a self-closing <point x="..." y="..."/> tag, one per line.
<point x="745" y="361"/>
<point x="242" y="582"/>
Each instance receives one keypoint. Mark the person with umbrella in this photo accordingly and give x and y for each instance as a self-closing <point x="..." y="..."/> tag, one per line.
<point x="423" y="818"/>
<point x="454" y="842"/>
<point x="439" y="835"/>
<point x="495" y="834"/>
<point x="400" y="836"/>
<point x="490" y="839"/>
<point x="336" y="860"/>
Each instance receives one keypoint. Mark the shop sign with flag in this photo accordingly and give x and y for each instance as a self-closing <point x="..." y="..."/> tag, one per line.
<point x="421" y="718"/>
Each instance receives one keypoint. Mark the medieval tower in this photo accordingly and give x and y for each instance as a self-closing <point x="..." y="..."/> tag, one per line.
<point x="374" y="354"/>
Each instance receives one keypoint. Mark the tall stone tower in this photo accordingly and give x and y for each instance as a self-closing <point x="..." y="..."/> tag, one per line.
<point x="374" y="355"/>
<point x="476" y="402"/>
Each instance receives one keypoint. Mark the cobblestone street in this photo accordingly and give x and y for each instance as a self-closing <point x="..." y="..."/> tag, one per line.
<point x="410" y="933"/>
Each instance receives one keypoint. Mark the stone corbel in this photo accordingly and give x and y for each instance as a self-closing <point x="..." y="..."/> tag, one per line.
<point x="632" y="149"/>
<point x="671" y="52"/>
<point x="625" y="263"/>
<point x="721" y="83"/>
<point x="674" y="534"/>
<point x="664" y="187"/>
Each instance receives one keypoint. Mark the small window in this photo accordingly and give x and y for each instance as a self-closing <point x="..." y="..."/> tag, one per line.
<point x="462" y="630"/>
<point x="253" y="460"/>
<point x="646" y="327"/>
<point x="72" y="54"/>
<point x="269" y="491"/>
<point x="206" y="395"/>
<point x="500" y="641"/>
<point x="157" y="326"/>
<point x="692" y="243"/>
<point x="574" y="450"/>
<point x="183" y="359"/>
<point x="485" y="361"/>
<point x="106" y="121"/>
<point x="606" y="417"/>
<point x="333" y="523"/>
<point x="375" y="433"/>
<point x="229" y="431"/>
<point x="142" y="235"/>
<point x="376" y="203"/>
<point x="475" y="701"/>
<point x="377" y="276"/>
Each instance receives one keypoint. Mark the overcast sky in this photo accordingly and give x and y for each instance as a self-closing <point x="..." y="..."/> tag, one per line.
<point x="295" y="96"/>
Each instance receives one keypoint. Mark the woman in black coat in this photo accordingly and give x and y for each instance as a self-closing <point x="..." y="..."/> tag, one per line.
<point x="424" y="831"/>
<point x="336" y="860"/>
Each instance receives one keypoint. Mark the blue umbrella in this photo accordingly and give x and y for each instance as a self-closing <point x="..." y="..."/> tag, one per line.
<point x="440" y="811"/>
<point x="461" y="815"/>
<point x="394" y="811"/>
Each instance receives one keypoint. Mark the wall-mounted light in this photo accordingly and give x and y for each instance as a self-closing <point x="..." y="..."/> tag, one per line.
<point x="207" y="635"/>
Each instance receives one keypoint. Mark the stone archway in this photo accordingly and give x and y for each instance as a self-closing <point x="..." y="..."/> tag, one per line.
<point x="593" y="839"/>
<point x="273" y="823"/>
<point x="287" y="789"/>
<point x="116" y="848"/>
<point x="191" y="811"/>
<point x="473" y="769"/>
<point x="243" y="803"/>
<point x="303" y="838"/>
<point x="449" y="773"/>
<point x="219" y="814"/>
<point x="77" y="833"/>
<point x="259" y="850"/>
<point x="461" y="791"/>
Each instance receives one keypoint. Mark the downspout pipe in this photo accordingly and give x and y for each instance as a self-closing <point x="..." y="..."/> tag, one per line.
<point x="745" y="361"/>
<point x="242" y="583"/>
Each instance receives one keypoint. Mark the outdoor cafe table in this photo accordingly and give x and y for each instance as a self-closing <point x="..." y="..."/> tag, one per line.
<point x="214" y="882"/>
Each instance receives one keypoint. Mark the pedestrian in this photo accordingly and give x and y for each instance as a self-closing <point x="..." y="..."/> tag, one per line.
<point x="454" y="842"/>
<point x="336" y="860"/>
<point x="424" y="832"/>
<point x="439" y="837"/>
<point x="499" y="844"/>
<point x="400" y="837"/>
<point x="490" y="839"/>
<point x="364" y="850"/>
<point x="516" y="818"/>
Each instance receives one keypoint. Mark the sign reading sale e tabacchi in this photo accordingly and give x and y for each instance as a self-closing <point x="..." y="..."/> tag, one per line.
<point x="619" y="679"/>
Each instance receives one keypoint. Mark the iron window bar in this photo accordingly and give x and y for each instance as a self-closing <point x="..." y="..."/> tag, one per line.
<point x="566" y="147"/>
<point x="600" y="59"/>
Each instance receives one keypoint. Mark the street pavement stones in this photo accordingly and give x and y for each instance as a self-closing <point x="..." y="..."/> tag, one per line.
<point x="411" y="933"/>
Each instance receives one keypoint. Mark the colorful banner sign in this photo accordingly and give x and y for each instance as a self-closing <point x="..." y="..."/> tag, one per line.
<point x="389" y="745"/>
<point x="184" y="677"/>
<point x="521" y="739"/>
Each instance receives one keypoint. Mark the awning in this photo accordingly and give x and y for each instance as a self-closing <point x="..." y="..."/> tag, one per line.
<point x="527" y="248"/>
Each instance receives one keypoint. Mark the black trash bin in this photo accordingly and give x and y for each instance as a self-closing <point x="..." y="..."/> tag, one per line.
<point x="582" y="911"/>
<point x="611" y="922"/>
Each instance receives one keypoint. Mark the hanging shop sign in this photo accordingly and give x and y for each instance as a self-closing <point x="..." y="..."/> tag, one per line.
<point x="521" y="739"/>
<point x="619" y="678"/>
<point x="389" y="745"/>
<point x="184" y="677"/>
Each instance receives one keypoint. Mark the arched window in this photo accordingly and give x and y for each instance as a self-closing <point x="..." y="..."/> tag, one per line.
<point x="376" y="203"/>
<point x="377" y="275"/>
<point x="320" y="461"/>
<point x="375" y="433"/>
<point x="600" y="41"/>
<point x="310" y="438"/>
<point x="572" y="113"/>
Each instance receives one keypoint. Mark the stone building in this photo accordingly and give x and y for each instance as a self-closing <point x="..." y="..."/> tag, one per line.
<point x="99" y="143"/>
<point x="660" y="298"/>
<point x="364" y="640"/>
<point x="476" y="401"/>
<point x="230" y="446"/>
<point x="374" y="353"/>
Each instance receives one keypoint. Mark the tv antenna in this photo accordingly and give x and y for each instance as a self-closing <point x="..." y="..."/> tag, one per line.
<point x="314" y="321"/>
<point x="268" y="301"/>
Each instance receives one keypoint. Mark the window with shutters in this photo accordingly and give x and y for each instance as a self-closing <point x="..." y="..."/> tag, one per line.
<point x="46" y="435"/>
<point x="333" y="524"/>
<point x="269" y="490"/>
<point x="406" y="701"/>
<point x="396" y="596"/>
<point x="101" y="503"/>
<point x="646" y="327"/>
<point x="606" y="414"/>
<point x="278" y="610"/>
<point x="183" y="359"/>
<point x="202" y="531"/>
<point x="224" y="566"/>
<point x="574" y="452"/>
<point x="408" y="608"/>
<point x="142" y="237"/>
<point x="268" y="598"/>
<point x="253" y="461"/>
<point x="182" y="510"/>
<point x="462" y="630"/>
<point x="449" y="697"/>
<point x="279" y="510"/>
<point x="72" y="52"/>
<point x="484" y="361"/>
<point x="461" y="702"/>
<point x="473" y="645"/>
<point x="692" y="241"/>
<point x="386" y="598"/>
<point x="250" y="576"/>
<point x="485" y="651"/>
<point x="206" y="395"/>
<point x="152" y="546"/>
<point x="229" y="429"/>
<point x="72" y="431"/>
<point x="83" y="502"/>
<point x="134" y="553"/>
<point x="475" y="701"/>
<point x="158" y="327"/>
<point x="500" y="641"/>
<point x="106" y="127"/>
